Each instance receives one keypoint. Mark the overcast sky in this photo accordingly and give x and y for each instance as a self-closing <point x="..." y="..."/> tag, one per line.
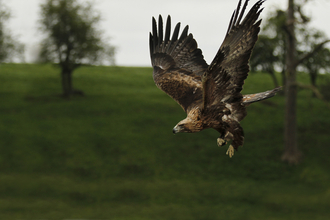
<point x="128" y="23"/>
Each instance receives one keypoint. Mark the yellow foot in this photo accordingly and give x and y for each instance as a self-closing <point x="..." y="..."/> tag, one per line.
<point x="221" y="142"/>
<point x="230" y="151"/>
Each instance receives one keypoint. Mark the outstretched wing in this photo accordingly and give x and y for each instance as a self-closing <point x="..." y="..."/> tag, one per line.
<point x="177" y="62"/>
<point x="224" y="78"/>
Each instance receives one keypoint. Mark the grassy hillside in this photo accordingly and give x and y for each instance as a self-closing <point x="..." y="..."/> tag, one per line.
<point x="112" y="154"/>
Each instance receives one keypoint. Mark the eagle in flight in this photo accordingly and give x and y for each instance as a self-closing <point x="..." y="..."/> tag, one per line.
<point x="209" y="94"/>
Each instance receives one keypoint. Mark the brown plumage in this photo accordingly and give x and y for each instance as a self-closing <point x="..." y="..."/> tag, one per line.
<point x="209" y="94"/>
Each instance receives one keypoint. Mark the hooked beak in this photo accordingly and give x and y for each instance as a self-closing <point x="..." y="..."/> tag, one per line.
<point x="177" y="129"/>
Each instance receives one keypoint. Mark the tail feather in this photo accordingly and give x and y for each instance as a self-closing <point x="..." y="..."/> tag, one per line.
<point x="248" y="99"/>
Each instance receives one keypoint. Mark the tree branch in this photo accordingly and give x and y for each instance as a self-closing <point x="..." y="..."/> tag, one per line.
<point x="315" y="91"/>
<point x="311" y="53"/>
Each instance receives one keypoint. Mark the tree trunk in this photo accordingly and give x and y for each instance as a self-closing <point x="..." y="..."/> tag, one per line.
<point x="67" y="84"/>
<point x="291" y="153"/>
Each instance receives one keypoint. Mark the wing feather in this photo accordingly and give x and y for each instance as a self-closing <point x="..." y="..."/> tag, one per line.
<point x="160" y="29"/>
<point x="231" y="61"/>
<point x="168" y="30"/>
<point x="154" y="32"/>
<point x="176" y="32"/>
<point x="237" y="11"/>
<point x="177" y="62"/>
<point x="242" y="13"/>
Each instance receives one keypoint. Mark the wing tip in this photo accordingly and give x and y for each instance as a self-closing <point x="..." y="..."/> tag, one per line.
<point x="248" y="99"/>
<point x="238" y="14"/>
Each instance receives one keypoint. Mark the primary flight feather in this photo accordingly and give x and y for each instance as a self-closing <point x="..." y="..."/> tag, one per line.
<point x="209" y="94"/>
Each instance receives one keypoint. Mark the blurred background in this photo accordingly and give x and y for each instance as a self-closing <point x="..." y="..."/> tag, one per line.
<point x="128" y="23"/>
<point x="86" y="134"/>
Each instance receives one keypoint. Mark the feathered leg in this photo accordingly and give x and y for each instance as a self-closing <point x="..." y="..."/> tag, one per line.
<point x="235" y="134"/>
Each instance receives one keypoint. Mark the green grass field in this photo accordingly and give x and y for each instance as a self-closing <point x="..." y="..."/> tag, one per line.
<point x="112" y="154"/>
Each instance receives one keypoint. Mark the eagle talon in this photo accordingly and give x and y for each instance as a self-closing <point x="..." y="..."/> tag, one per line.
<point x="230" y="151"/>
<point x="221" y="142"/>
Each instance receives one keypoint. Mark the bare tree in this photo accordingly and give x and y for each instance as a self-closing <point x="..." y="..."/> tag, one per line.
<point x="288" y="42"/>
<point x="291" y="152"/>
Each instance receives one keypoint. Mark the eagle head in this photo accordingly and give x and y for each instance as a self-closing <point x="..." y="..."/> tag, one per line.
<point x="191" y="124"/>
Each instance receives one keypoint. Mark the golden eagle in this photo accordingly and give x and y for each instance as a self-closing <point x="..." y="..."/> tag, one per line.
<point x="209" y="94"/>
